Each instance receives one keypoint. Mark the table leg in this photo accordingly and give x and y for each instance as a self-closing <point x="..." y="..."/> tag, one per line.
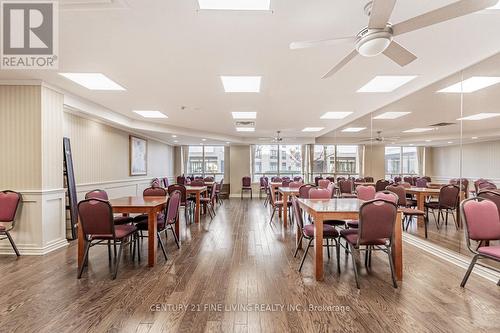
<point x="178" y="228"/>
<point x="81" y="245"/>
<point x="461" y="198"/>
<point x="285" y="209"/>
<point x="318" y="248"/>
<point x="298" y="234"/>
<point x="397" y="248"/>
<point x="197" y="208"/>
<point x="152" y="241"/>
<point x="420" y="206"/>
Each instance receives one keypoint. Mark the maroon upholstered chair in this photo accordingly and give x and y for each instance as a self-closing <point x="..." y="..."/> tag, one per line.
<point x="209" y="202"/>
<point x="365" y="193"/>
<point x="262" y="186"/>
<point x="491" y="195"/>
<point x="316" y="180"/>
<point x="164" y="182"/>
<point x="218" y="191"/>
<point x="295" y="184"/>
<point x="276" y="204"/>
<point x="408" y="212"/>
<point x="209" y="179"/>
<point x="421" y="182"/>
<point x="329" y="233"/>
<point x="101" y="194"/>
<point x="96" y="221"/>
<point x="375" y="233"/>
<point x="286" y="183"/>
<point x="10" y="202"/>
<point x="184" y="202"/>
<point x="198" y="182"/>
<point x="346" y="187"/>
<point x="448" y="202"/>
<point x="381" y="184"/>
<point x="482" y="222"/>
<point x="323" y="183"/>
<point x="397" y="179"/>
<point x="155" y="182"/>
<point x="408" y="179"/>
<point x="181" y="180"/>
<point x="321" y="193"/>
<point x="331" y="179"/>
<point x="369" y="179"/>
<point x="388" y="196"/>
<point x="304" y="190"/>
<point x="332" y="189"/>
<point x="246" y="185"/>
<point x="297" y="179"/>
<point x="276" y="179"/>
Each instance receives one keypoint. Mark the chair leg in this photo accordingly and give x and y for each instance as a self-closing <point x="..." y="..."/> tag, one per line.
<point x="272" y="215"/>
<point x="12" y="243"/>
<point x="351" y="249"/>
<point x="305" y="254"/>
<point x="161" y="245"/>
<point x="328" y="247"/>
<point x="469" y="270"/>
<point x="117" y="263"/>
<point x="337" y="248"/>
<point x="455" y="220"/>
<point x="175" y="237"/>
<point x="297" y="248"/>
<point x="109" y="250"/>
<point x="391" y="263"/>
<point x="85" y="257"/>
<point x="138" y="248"/>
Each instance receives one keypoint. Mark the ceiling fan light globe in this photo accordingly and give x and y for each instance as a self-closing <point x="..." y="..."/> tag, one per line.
<point x="373" y="47"/>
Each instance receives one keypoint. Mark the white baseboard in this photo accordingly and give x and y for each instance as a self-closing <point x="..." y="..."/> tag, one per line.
<point x="27" y="250"/>
<point x="455" y="258"/>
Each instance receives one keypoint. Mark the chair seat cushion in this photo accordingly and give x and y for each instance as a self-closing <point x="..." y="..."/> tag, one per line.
<point x="411" y="211"/>
<point x="348" y="195"/>
<point x="143" y="224"/>
<point x="328" y="231"/>
<point x="334" y="222"/>
<point x="279" y="203"/>
<point x="124" y="219"/>
<point x="121" y="231"/>
<point x="351" y="235"/>
<point x="411" y="202"/>
<point x="205" y="199"/>
<point x="353" y="224"/>
<point x="493" y="251"/>
<point x="246" y="188"/>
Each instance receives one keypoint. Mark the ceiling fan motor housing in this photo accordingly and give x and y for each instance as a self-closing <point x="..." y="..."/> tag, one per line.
<point x="372" y="42"/>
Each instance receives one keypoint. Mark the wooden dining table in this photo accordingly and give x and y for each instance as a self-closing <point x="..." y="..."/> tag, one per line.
<point x="343" y="209"/>
<point x="198" y="192"/>
<point x="287" y="192"/>
<point x="136" y="205"/>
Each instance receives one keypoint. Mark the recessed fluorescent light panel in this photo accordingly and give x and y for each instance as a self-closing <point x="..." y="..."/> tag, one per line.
<point x="93" y="81"/>
<point x="391" y="115"/>
<point x="497" y="6"/>
<point x="241" y="84"/>
<point x="386" y="83"/>
<point x="472" y="84"/>
<point x="313" y="129"/>
<point x="245" y="129"/>
<point x="235" y="4"/>
<point x="418" y="130"/>
<point x="353" y="129"/>
<point x="244" y="115"/>
<point x="480" y="116"/>
<point x="151" y="114"/>
<point x="336" y="115"/>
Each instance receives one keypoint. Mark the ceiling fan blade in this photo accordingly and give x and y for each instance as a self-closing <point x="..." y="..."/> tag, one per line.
<point x="380" y="13"/>
<point x="456" y="9"/>
<point x="341" y="64"/>
<point x="318" y="43"/>
<point x="399" y="54"/>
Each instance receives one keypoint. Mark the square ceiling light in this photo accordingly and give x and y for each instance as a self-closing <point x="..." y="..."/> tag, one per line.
<point x="353" y="129"/>
<point x="497" y="6"/>
<point x="419" y="130"/>
<point x="93" y="81"/>
<point x="235" y="4"/>
<point x="151" y="114"/>
<point x="386" y="83"/>
<point x="244" y="115"/>
<point x="313" y="129"/>
<point x="472" y="84"/>
<point x="336" y="115"/>
<point x="480" y="116"/>
<point x="245" y="129"/>
<point x="391" y="115"/>
<point x="241" y="84"/>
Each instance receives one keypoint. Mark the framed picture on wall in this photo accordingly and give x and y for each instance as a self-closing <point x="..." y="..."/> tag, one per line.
<point x="138" y="156"/>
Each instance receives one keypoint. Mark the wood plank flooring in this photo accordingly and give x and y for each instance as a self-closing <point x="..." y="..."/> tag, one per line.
<point x="239" y="259"/>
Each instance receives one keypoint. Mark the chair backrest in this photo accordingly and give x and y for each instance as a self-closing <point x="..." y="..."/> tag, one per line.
<point x="397" y="179"/>
<point x="331" y="179"/>
<point x="319" y="193"/>
<point x="485" y="185"/>
<point x="285" y="178"/>
<point x="97" y="194"/>
<point x="180" y="188"/>
<point x="405" y="184"/>
<point x="297" y="213"/>
<point x="155" y="182"/>
<point x="297" y="179"/>
<point x="9" y="203"/>
<point x="198" y="182"/>
<point x="262" y="181"/>
<point x="331" y="189"/>
<point x="387" y="196"/>
<point x="481" y="218"/>
<point x="154" y="192"/>
<point x="400" y="191"/>
<point x="323" y="183"/>
<point x="491" y="195"/>
<point x="463" y="182"/>
<point x="164" y="182"/>
<point x="285" y="183"/>
<point x="304" y="190"/>
<point x="96" y="217"/>
<point x="219" y="185"/>
<point x="408" y="179"/>
<point x="296" y="184"/>
<point x="421" y="182"/>
<point x="208" y="179"/>
<point x="181" y="180"/>
<point x="173" y="204"/>
<point x="381" y="185"/>
<point x="246" y="181"/>
<point x="365" y="193"/>
<point x="448" y="196"/>
<point x="340" y="178"/>
<point x="346" y="186"/>
<point x="276" y="179"/>
<point x="213" y="192"/>
<point x="360" y="180"/>
<point x="316" y="180"/>
<point x="369" y="179"/>
<point x="376" y="221"/>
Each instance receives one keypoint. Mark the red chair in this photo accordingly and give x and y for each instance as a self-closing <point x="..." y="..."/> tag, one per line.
<point x="448" y="202"/>
<point x="164" y="182"/>
<point x="365" y="193"/>
<point x="286" y="183"/>
<point x="346" y="187"/>
<point x="101" y="194"/>
<point x="381" y="185"/>
<point x="263" y="185"/>
<point x="375" y="233"/>
<point x="295" y="184"/>
<point x="218" y="191"/>
<point x="408" y="212"/>
<point x="329" y="233"/>
<point x="321" y="193"/>
<point x="276" y="204"/>
<point x="96" y="221"/>
<point x="209" y="202"/>
<point x="155" y="182"/>
<point x="316" y="180"/>
<point x="9" y="204"/>
<point x="482" y="222"/>
<point x="246" y="185"/>
<point x="184" y="201"/>
<point x="304" y="190"/>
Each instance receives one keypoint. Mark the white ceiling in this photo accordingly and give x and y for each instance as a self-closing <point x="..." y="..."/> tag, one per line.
<point x="168" y="54"/>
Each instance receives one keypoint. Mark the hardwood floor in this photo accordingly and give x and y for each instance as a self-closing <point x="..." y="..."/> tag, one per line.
<point x="239" y="259"/>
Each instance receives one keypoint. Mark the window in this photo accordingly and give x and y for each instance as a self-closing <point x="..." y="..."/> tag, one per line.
<point x="324" y="159"/>
<point x="332" y="160"/>
<point x="346" y="160"/>
<point x="206" y="161"/>
<point x="277" y="160"/>
<point x="400" y="161"/>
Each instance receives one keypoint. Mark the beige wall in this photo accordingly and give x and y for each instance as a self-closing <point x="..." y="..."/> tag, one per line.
<point x="239" y="165"/>
<point x="374" y="161"/>
<point x="101" y="152"/>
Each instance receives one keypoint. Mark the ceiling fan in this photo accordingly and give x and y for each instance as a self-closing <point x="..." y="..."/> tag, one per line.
<point x="377" y="37"/>
<point x="278" y="138"/>
<point x="380" y="138"/>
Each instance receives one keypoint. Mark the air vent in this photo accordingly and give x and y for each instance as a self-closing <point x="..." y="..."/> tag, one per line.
<point x="245" y="124"/>
<point x="442" y="124"/>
